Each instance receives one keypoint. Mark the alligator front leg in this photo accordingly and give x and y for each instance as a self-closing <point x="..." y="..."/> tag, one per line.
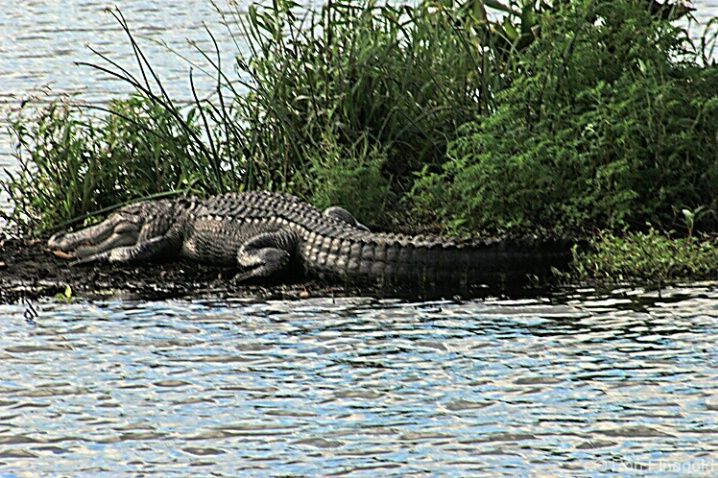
<point x="155" y="248"/>
<point x="265" y="254"/>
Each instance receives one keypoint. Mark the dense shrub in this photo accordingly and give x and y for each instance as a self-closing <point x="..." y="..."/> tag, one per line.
<point x="396" y="80"/>
<point x="351" y="176"/>
<point x="611" y="123"/>
<point x="608" y="120"/>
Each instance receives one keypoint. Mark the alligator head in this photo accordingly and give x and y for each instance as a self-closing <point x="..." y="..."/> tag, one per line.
<point x="124" y="227"/>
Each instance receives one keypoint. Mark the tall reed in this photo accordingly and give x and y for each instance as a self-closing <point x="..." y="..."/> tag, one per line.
<point x="361" y="93"/>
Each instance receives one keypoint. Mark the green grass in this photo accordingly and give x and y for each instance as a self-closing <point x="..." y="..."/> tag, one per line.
<point x="650" y="258"/>
<point x="357" y="92"/>
<point x="73" y="166"/>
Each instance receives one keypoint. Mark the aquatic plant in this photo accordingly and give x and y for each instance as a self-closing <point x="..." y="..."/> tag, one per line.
<point x="650" y="257"/>
<point x="73" y="165"/>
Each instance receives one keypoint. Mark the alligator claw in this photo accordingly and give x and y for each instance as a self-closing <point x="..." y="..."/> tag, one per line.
<point x="95" y="258"/>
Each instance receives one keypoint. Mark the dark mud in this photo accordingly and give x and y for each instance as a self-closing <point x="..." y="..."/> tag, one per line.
<point x="29" y="270"/>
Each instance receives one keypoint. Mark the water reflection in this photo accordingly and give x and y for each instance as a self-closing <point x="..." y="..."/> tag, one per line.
<point x="579" y="386"/>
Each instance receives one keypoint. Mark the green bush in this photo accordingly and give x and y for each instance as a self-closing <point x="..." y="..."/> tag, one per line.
<point x="401" y="79"/>
<point x="595" y="114"/>
<point x="649" y="257"/>
<point x="611" y="123"/>
<point x="350" y="176"/>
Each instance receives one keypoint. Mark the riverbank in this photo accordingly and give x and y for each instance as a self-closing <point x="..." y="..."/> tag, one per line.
<point x="470" y="131"/>
<point x="29" y="270"/>
<point x="651" y="261"/>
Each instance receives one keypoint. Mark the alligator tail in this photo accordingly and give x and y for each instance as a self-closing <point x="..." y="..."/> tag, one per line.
<point x="432" y="264"/>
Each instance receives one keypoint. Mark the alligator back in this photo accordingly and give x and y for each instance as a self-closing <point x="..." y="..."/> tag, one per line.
<point x="334" y="250"/>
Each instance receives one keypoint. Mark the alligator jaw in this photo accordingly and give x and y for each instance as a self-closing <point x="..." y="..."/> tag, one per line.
<point x="116" y="231"/>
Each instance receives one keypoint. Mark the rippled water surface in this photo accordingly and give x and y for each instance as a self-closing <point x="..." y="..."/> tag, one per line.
<point x="578" y="386"/>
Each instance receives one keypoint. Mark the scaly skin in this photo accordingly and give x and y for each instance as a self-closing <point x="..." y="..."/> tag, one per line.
<point x="259" y="233"/>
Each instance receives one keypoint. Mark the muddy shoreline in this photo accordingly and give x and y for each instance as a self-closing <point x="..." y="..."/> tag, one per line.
<point x="29" y="271"/>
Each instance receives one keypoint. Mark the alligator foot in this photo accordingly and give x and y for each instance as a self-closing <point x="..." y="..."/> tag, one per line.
<point x="264" y="255"/>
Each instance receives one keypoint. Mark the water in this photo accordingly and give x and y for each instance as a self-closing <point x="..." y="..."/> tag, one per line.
<point x="581" y="386"/>
<point x="42" y="40"/>
<point x="624" y="385"/>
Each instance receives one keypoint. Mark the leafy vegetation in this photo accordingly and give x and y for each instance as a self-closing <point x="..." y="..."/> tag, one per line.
<point x="354" y="91"/>
<point x="610" y="124"/>
<point x="650" y="257"/>
<point x="74" y="165"/>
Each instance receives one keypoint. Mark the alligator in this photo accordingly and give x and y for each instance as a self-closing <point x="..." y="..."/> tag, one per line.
<point x="259" y="234"/>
